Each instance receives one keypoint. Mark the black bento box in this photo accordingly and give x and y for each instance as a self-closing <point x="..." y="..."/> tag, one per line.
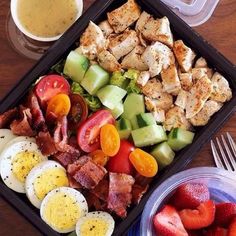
<point x="61" y="48"/>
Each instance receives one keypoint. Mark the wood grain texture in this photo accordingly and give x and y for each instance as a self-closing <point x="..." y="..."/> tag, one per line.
<point x="219" y="31"/>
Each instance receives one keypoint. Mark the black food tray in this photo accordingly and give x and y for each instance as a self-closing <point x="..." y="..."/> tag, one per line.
<point x="61" y="48"/>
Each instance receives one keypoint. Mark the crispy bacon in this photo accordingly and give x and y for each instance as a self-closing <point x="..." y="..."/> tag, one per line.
<point x="7" y="117"/>
<point x="73" y="183"/>
<point x="65" y="158"/>
<point x="119" y="197"/>
<point x="72" y="168"/>
<point x="94" y="202"/>
<point x="23" y="126"/>
<point x="101" y="190"/>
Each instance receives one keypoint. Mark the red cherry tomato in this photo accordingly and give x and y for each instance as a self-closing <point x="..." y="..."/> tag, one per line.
<point x="120" y="163"/>
<point x="89" y="131"/>
<point x="49" y="86"/>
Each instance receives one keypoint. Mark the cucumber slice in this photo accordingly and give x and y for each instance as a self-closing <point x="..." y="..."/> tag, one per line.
<point x="163" y="154"/>
<point x="179" y="138"/>
<point x="95" y="78"/>
<point x="118" y="110"/>
<point x="75" y="66"/>
<point x="148" y="135"/>
<point x="142" y="120"/>
<point x="133" y="105"/>
<point x="124" y="128"/>
<point x="111" y="95"/>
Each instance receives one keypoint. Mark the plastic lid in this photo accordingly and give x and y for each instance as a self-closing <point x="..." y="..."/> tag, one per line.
<point x="193" y="12"/>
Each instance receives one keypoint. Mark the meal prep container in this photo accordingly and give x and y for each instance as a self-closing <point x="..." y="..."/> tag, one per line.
<point x="62" y="47"/>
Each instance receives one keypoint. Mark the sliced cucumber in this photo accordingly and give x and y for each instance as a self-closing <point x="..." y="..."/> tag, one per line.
<point x="111" y="95"/>
<point x="148" y="135"/>
<point x="142" y="120"/>
<point x="179" y="138"/>
<point x="118" y="110"/>
<point x="76" y="65"/>
<point x="133" y="105"/>
<point x="124" y="128"/>
<point x="163" y="154"/>
<point x="95" y="78"/>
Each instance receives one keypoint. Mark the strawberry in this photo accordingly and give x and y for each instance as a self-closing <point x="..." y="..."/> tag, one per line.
<point x="189" y="196"/>
<point x="216" y="231"/>
<point x="199" y="218"/>
<point x="167" y="222"/>
<point x="225" y="212"/>
<point x="232" y="228"/>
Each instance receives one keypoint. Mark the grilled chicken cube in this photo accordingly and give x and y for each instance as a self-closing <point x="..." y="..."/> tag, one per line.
<point x="92" y="41"/>
<point x="142" y="21"/>
<point x="134" y="60"/>
<point x="153" y="88"/>
<point x="184" y="55"/>
<point x="208" y="110"/>
<point x="170" y="80"/>
<point x="158" y="30"/>
<point x="201" y="63"/>
<point x="221" y="90"/>
<point x="175" y="118"/>
<point x="159" y="115"/>
<point x="106" y="28"/>
<point x="200" y="72"/>
<point x="143" y="78"/>
<point x="164" y="102"/>
<point x="120" y="45"/>
<point x="107" y="61"/>
<point x="124" y="16"/>
<point x="158" y="56"/>
<point x="198" y="95"/>
<point x="186" y="81"/>
<point x="181" y="99"/>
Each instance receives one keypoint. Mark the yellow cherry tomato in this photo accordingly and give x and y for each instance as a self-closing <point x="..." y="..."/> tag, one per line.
<point x="109" y="140"/>
<point x="144" y="163"/>
<point x="99" y="157"/>
<point x="59" y="105"/>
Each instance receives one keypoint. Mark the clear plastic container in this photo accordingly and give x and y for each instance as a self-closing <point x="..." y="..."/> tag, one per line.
<point x="193" y="12"/>
<point x="221" y="184"/>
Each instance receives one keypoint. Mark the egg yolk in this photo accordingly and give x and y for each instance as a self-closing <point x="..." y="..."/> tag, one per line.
<point x="94" y="227"/>
<point x="22" y="164"/>
<point x="49" y="180"/>
<point x="62" y="211"/>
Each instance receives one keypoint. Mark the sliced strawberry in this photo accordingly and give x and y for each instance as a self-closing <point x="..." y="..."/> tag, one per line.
<point x="189" y="196"/>
<point x="167" y="222"/>
<point x="199" y="218"/>
<point x="232" y="228"/>
<point x="225" y="212"/>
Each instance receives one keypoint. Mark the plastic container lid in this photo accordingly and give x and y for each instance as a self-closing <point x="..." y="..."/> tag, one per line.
<point x="193" y="12"/>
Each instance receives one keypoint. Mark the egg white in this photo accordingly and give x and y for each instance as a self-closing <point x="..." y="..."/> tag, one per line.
<point x="6" y="136"/>
<point x="79" y="198"/>
<point x="32" y="176"/>
<point x="96" y="215"/>
<point x="7" y="157"/>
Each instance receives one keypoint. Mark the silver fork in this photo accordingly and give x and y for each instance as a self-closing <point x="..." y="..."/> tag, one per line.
<point x="224" y="155"/>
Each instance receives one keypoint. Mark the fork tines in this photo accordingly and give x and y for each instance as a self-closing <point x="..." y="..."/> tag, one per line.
<point x="224" y="154"/>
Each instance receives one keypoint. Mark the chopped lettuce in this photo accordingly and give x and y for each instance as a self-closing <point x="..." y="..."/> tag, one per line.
<point x="133" y="76"/>
<point x="59" y="67"/>
<point x="118" y="79"/>
<point x="77" y="88"/>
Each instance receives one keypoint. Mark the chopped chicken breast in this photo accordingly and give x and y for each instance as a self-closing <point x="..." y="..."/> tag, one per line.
<point x="124" y="16"/>
<point x="134" y="60"/>
<point x="201" y="63"/>
<point x="181" y="99"/>
<point x="170" y="80"/>
<point x="175" y="118"/>
<point x="106" y="28"/>
<point x="198" y="73"/>
<point x="143" y="78"/>
<point x="159" y="115"/>
<point x="107" y="61"/>
<point x="199" y="94"/>
<point x="92" y="41"/>
<point x="142" y="21"/>
<point x="208" y="110"/>
<point x="184" y="55"/>
<point x="153" y="88"/>
<point x="221" y="90"/>
<point x="164" y="101"/>
<point x="158" y="56"/>
<point x="120" y="45"/>
<point x="186" y="81"/>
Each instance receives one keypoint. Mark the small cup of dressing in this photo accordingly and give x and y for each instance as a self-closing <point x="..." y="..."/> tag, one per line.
<point x="45" y="20"/>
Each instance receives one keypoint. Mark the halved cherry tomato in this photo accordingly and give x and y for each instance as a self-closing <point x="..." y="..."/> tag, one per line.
<point x="120" y="163"/>
<point x="109" y="140"/>
<point x="145" y="164"/>
<point x="78" y="111"/>
<point x="59" y="105"/>
<point x="49" y="86"/>
<point x="89" y="131"/>
<point x="99" y="157"/>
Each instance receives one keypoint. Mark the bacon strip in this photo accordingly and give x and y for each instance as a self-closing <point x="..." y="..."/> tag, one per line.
<point x="101" y="190"/>
<point x="119" y="197"/>
<point x="65" y="158"/>
<point x="7" y="117"/>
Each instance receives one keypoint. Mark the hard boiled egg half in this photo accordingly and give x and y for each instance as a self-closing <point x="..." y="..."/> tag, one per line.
<point x="17" y="160"/>
<point x="62" y="208"/>
<point x="43" y="178"/>
<point x="6" y="135"/>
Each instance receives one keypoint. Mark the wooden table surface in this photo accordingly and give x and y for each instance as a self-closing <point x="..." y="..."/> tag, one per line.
<point x="219" y="30"/>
